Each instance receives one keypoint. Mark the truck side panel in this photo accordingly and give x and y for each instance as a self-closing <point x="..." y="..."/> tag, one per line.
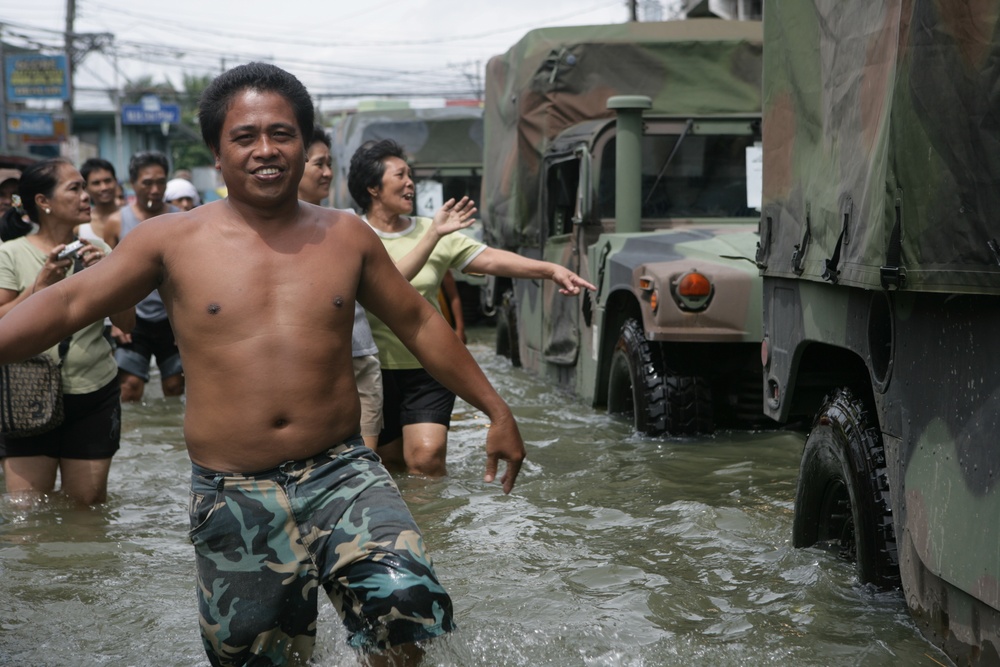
<point x="882" y="274"/>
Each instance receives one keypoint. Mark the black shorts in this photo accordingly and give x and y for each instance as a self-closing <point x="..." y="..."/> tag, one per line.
<point x="90" y="430"/>
<point x="150" y="339"/>
<point x="412" y="396"/>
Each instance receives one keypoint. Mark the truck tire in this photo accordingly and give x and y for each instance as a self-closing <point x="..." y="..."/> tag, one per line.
<point x="506" y="327"/>
<point x="689" y="405"/>
<point x="635" y="381"/>
<point x="842" y="499"/>
<point x="659" y="401"/>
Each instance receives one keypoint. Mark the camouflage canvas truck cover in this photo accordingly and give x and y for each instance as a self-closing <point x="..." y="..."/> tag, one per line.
<point x="881" y="269"/>
<point x="444" y="147"/>
<point x="672" y="336"/>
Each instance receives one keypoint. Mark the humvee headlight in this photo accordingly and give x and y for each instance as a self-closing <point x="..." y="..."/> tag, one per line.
<point x="692" y="291"/>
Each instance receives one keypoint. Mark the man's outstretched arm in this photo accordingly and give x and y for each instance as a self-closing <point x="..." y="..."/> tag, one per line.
<point x="110" y="286"/>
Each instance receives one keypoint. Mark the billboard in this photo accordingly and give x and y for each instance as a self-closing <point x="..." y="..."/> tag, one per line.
<point x="35" y="76"/>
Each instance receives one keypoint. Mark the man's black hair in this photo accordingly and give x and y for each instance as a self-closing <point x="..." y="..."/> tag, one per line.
<point x="319" y="134"/>
<point x="144" y="159"/>
<point x="40" y="178"/>
<point x="93" y="164"/>
<point x="217" y="98"/>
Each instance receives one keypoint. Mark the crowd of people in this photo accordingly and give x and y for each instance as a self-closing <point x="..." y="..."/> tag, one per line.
<point x="314" y="356"/>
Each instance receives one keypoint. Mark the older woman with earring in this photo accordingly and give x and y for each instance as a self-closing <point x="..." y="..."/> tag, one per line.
<point x="416" y="407"/>
<point x="53" y="195"/>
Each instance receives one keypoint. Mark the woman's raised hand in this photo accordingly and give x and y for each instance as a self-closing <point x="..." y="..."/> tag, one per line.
<point x="454" y="216"/>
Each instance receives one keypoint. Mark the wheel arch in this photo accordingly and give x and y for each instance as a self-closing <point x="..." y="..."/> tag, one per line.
<point x="818" y="369"/>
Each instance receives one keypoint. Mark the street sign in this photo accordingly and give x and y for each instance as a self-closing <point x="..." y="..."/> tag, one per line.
<point x="35" y="76"/>
<point x="150" y="112"/>
<point x="35" y="124"/>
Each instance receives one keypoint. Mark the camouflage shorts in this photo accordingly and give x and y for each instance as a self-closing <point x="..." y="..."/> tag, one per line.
<point x="265" y="541"/>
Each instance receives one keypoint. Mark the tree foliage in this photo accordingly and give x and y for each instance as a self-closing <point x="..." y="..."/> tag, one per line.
<point x="187" y="150"/>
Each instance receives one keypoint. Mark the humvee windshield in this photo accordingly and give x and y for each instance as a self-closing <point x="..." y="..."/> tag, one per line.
<point x="695" y="171"/>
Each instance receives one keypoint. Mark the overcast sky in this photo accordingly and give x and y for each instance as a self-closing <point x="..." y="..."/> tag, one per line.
<point x="334" y="47"/>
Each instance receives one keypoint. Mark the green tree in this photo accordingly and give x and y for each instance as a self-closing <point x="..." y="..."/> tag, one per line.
<point x="144" y="85"/>
<point x="187" y="148"/>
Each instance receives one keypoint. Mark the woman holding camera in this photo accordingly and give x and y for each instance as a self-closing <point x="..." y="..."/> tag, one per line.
<point x="53" y="195"/>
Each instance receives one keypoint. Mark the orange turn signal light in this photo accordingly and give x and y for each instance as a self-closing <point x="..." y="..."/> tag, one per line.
<point x="694" y="285"/>
<point x="692" y="291"/>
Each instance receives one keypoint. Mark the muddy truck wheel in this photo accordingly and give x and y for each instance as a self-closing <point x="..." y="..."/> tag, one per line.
<point x="659" y="402"/>
<point x="635" y="381"/>
<point x="689" y="405"/>
<point x="506" y="328"/>
<point x="842" y="501"/>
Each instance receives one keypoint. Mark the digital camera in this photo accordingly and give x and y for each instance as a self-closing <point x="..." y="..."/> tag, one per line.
<point x="71" y="250"/>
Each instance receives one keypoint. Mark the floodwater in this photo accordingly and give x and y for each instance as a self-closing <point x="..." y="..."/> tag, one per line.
<point x="613" y="550"/>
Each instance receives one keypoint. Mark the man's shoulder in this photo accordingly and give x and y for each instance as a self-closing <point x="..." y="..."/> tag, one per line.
<point x="199" y="215"/>
<point x="339" y="218"/>
<point x="115" y="215"/>
<point x="335" y="213"/>
<point x="176" y="223"/>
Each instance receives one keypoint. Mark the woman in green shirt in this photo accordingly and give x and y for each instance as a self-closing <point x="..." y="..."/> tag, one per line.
<point x="417" y="409"/>
<point x="54" y="196"/>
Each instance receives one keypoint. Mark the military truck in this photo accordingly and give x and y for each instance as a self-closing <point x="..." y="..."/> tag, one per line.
<point x="671" y="337"/>
<point x="444" y="147"/>
<point x="881" y="278"/>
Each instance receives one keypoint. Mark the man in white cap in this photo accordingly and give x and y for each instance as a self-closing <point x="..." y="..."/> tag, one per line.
<point x="182" y="194"/>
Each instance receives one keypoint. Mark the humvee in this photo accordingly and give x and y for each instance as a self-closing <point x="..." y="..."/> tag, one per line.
<point x="881" y="278"/>
<point x="670" y="111"/>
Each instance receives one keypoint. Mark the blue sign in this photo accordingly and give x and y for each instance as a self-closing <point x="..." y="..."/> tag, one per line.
<point x="35" y="124"/>
<point x="33" y="76"/>
<point x="150" y="112"/>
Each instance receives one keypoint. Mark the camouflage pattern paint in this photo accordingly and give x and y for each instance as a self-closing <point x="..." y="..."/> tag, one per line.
<point x="547" y="118"/>
<point x="555" y="78"/>
<point x="267" y="542"/>
<point x="881" y="273"/>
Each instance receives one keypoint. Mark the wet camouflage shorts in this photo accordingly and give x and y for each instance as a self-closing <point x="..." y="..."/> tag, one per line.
<point x="264" y="542"/>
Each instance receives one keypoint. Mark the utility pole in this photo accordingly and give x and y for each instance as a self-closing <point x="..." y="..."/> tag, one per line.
<point x="3" y="97"/>
<point x="68" y="102"/>
<point x="633" y="10"/>
<point x="119" y="139"/>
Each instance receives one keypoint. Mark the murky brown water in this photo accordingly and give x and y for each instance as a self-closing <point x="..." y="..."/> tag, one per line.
<point x="613" y="550"/>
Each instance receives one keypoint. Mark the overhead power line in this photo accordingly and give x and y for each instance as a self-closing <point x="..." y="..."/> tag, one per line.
<point x="182" y="47"/>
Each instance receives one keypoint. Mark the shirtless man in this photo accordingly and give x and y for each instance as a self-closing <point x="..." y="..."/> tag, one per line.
<point x="102" y="185"/>
<point x="261" y="290"/>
